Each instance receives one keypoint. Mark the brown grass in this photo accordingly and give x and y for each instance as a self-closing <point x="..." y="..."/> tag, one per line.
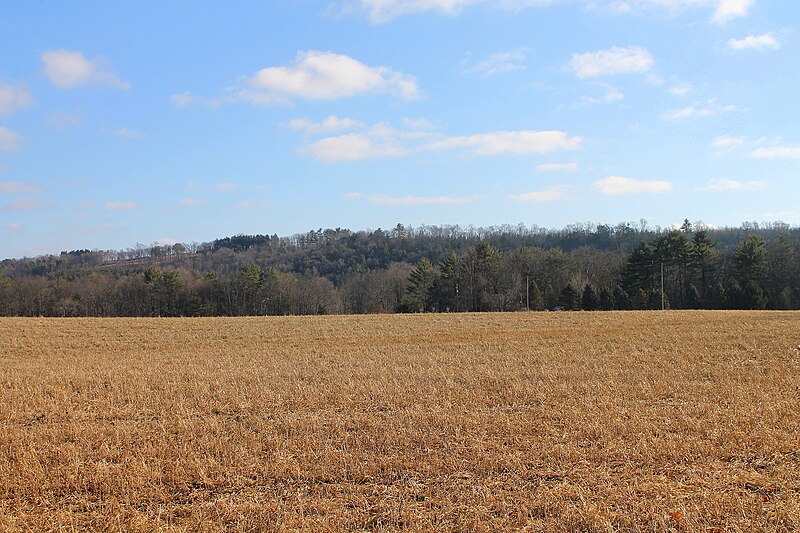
<point x="644" y="421"/>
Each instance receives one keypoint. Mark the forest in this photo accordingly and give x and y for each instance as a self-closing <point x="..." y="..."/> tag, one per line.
<point x="419" y="269"/>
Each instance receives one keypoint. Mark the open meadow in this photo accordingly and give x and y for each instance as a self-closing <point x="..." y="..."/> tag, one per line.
<point x="586" y="421"/>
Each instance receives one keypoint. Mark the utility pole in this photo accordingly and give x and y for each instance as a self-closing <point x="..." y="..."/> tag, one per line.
<point x="662" y="284"/>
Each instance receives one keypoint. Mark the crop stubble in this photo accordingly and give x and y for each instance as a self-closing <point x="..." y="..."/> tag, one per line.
<point x="546" y="421"/>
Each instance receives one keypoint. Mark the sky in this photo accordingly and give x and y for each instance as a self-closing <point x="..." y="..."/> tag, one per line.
<point x="185" y="121"/>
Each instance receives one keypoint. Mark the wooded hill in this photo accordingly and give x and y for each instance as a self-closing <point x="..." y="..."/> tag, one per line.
<point x="427" y="268"/>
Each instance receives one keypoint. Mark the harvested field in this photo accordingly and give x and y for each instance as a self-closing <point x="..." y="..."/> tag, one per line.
<point x="648" y="421"/>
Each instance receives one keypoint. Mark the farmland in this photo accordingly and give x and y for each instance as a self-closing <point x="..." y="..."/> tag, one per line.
<point x="572" y="421"/>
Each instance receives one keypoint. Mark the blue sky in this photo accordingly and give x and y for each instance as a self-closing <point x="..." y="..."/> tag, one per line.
<point x="141" y="122"/>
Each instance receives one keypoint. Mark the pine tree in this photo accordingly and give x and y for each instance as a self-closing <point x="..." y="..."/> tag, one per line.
<point x="589" y="300"/>
<point x="420" y="285"/>
<point x="606" y="300"/>
<point x="570" y="298"/>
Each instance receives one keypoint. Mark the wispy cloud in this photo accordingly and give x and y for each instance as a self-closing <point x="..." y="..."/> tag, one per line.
<point x="723" y="10"/>
<point x="615" y="60"/>
<point x="188" y="202"/>
<point x="724" y="184"/>
<point x="10" y="141"/>
<point x="13" y="226"/>
<point x="549" y="194"/>
<point x="381" y="11"/>
<point x="680" y="89"/>
<point x="14" y="98"/>
<point x="498" y="63"/>
<point x="121" y="206"/>
<point x="353" y="147"/>
<point x="64" y="121"/>
<point x="384" y="199"/>
<point x="382" y="141"/>
<point x="726" y="144"/>
<point x="766" y="41"/>
<point x="509" y="142"/>
<point x="611" y="95"/>
<point x="620" y="185"/>
<point x="698" y="110"/>
<point x="19" y="187"/>
<point x="184" y="99"/>
<point x="777" y="152"/>
<point x="24" y="203"/>
<point x="67" y="69"/>
<point x="328" y="125"/>
<point x="249" y="204"/>
<point x="127" y="133"/>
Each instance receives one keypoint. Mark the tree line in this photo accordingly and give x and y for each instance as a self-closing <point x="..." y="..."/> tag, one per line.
<point x="425" y="269"/>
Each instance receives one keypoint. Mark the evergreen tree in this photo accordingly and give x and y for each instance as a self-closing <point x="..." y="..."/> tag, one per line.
<point x="606" y="299"/>
<point x="589" y="300"/>
<point x="749" y="262"/>
<point x="420" y="287"/>
<point x="621" y="299"/>
<point x="536" y="298"/>
<point x="570" y="298"/>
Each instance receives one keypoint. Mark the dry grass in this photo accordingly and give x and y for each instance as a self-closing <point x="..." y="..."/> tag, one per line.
<point x="562" y="421"/>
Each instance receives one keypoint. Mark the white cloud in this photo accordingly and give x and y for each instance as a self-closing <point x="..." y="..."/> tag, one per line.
<point x="352" y="147"/>
<point x="166" y="241"/>
<point x="724" y="184"/>
<point x="10" y="141"/>
<point x="618" y="185"/>
<point x="615" y="60"/>
<point x="698" y="109"/>
<point x="18" y="187"/>
<point x="330" y="124"/>
<point x="547" y="195"/>
<point x="24" y="203"/>
<point x="680" y="89"/>
<point x="418" y="123"/>
<point x="498" y="63"/>
<point x="184" y="99"/>
<point x="121" y="206"/>
<point x="64" y="121"/>
<point x="728" y="10"/>
<point x="13" y="98"/>
<point x="247" y="204"/>
<point x="557" y="167"/>
<point x="611" y="95"/>
<point x="724" y="10"/>
<point x="381" y="11"/>
<point x="127" y="133"/>
<point x="326" y="76"/>
<point x="384" y="199"/>
<point x="352" y="196"/>
<point x="68" y="69"/>
<point x="726" y="144"/>
<point x="190" y="202"/>
<point x="776" y="152"/>
<point x="509" y="142"/>
<point x="755" y="42"/>
<point x="381" y="140"/>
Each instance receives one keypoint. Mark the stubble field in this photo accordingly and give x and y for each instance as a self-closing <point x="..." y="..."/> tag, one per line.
<point x="648" y="421"/>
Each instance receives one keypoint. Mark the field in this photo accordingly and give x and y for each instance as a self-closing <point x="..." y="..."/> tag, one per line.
<point x="648" y="421"/>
